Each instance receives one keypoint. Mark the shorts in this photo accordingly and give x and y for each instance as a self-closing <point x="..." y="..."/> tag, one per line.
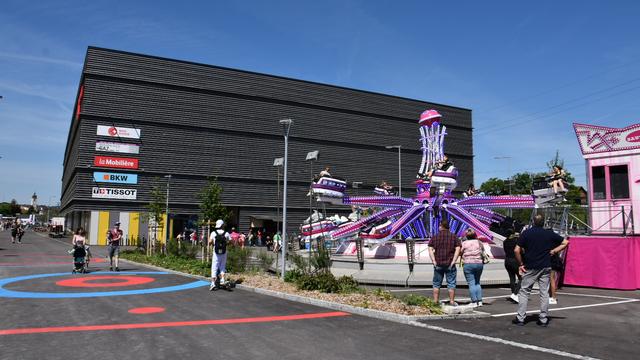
<point x="113" y="250"/>
<point x="218" y="264"/>
<point x="438" y="274"/>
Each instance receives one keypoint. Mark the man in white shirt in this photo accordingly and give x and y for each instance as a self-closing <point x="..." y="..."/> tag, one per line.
<point x="219" y="239"/>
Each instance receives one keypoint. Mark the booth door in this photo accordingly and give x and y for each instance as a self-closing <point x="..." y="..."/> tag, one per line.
<point x="611" y="200"/>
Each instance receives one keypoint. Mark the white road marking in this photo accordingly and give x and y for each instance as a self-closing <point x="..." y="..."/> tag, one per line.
<point x="573" y="307"/>
<point x="596" y="296"/>
<point x="504" y="341"/>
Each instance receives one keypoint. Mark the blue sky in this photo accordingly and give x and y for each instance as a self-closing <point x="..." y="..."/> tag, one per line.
<point x="526" y="69"/>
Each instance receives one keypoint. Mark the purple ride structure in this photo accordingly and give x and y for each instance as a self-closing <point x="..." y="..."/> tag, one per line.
<point x="417" y="217"/>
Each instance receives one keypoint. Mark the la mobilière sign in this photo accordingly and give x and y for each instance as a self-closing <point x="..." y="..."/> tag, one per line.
<point x="115" y="162"/>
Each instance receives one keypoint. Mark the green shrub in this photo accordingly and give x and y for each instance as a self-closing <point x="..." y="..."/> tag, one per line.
<point x="325" y="282"/>
<point x="237" y="259"/>
<point x="320" y="260"/>
<point x="347" y="284"/>
<point x="292" y="276"/>
<point x="265" y="260"/>
<point x="419" y="300"/>
<point x="299" y="262"/>
<point x="383" y="294"/>
<point x="183" y="250"/>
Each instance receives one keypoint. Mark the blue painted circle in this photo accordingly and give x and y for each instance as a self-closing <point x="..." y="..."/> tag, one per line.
<point x="48" y="295"/>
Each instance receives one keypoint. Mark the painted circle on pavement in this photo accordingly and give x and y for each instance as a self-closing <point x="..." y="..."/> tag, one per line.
<point x="54" y="295"/>
<point x="90" y="281"/>
<point x="147" y="310"/>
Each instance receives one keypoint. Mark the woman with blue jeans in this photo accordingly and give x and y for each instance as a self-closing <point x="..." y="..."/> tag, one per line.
<point x="472" y="250"/>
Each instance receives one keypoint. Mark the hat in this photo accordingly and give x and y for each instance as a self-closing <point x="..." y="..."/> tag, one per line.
<point x="117" y="223"/>
<point x="219" y="223"/>
<point x="429" y="117"/>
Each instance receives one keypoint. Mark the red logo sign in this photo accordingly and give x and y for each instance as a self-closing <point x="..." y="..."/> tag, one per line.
<point x="634" y="136"/>
<point x="115" y="162"/>
<point x="113" y="131"/>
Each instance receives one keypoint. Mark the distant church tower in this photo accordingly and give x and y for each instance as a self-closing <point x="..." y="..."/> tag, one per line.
<point x="34" y="201"/>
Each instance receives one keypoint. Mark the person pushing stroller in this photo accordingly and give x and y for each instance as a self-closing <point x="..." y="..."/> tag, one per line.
<point x="80" y="252"/>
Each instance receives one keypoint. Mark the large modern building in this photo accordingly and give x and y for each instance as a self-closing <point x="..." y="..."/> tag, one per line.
<point x="139" y="118"/>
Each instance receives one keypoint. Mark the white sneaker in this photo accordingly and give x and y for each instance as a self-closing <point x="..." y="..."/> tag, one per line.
<point x="553" y="301"/>
<point x="479" y="304"/>
<point x="212" y="286"/>
<point x="514" y="297"/>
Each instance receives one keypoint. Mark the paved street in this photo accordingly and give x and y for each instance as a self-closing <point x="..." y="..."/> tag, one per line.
<point x="141" y="313"/>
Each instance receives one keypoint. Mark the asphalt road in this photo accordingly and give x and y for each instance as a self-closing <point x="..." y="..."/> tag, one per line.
<point x="48" y="313"/>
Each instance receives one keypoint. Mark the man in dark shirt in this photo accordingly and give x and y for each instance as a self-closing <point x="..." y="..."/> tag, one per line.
<point x="538" y="244"/>
<point x="444" y="249"/>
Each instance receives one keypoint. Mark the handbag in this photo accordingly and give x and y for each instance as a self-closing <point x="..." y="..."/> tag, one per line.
<point x="485" y="256"/>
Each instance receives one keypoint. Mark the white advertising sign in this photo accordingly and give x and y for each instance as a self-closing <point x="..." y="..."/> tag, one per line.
<point x="600" y="139"/>
<point x="113" y="193"/>
<point x="118" y="132"/>
<point x="117" y="147"/>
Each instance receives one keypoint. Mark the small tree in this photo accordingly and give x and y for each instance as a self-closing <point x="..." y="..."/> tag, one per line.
<point x="211" y="208"/>
<point x="14" y="207"/>
<point x="155" y="209"/>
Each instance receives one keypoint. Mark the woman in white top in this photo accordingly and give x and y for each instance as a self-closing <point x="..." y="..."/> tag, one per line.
<point x="79" y="238"/>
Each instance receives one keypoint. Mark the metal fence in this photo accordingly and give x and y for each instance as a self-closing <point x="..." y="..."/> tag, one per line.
<point x="586" y="220"/>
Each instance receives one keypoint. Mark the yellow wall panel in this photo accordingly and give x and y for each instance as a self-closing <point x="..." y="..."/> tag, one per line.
<point x="103" y="227"/>
<point x="134" y="225"/>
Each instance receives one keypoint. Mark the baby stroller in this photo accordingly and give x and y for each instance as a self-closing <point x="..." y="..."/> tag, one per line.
<point x="81" y="256"/>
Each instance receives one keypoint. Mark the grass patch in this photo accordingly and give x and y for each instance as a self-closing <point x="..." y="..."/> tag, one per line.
<point x="422" y="301"/>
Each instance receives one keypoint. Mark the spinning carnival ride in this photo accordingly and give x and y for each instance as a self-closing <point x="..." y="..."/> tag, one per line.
<point x="417" y="217"/>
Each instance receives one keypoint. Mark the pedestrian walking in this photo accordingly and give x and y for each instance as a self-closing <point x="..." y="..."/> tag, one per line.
<point x="20" y="232"/>
<point x="113" y="248"/>
<point x="219" y="239"/>
<point x="472" y="256"/>
<point x="444" y="249"/>
<point x="242" y="239"/>
<point x="14" y="231"/>
<point x="533" y="253"/>
<point x="511" y="264"/>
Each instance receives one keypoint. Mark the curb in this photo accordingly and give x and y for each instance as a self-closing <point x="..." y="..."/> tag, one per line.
<point x="377" y="314"/>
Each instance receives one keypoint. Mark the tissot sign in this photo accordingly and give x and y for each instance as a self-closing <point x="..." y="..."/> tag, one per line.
<point x="118" y="132"/>
<point x="115" y="162"/>
<point x="117" y="147"/>
<point x="119" y="178"/>
<point x="599" y="139"/>
<point x="113" y="193"/>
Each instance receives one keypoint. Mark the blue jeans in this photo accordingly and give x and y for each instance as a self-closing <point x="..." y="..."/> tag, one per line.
<point x="472" y="273"/>
<point x="439" y="273"/>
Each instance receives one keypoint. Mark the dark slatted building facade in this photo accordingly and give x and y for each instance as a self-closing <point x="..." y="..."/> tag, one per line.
<point x="195" y="121"/>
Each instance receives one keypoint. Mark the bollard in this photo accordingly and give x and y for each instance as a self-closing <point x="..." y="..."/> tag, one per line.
<point x="411" y="253"/>
<point x="360" y="253"/>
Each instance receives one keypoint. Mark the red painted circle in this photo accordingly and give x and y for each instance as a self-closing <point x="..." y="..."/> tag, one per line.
<point x="121" y="281"/>
<point x="147" y="310"/>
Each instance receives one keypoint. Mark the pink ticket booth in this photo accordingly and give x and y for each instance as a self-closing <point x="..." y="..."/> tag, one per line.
<point x="613" y="177"/>
<point x="610" y="256"/>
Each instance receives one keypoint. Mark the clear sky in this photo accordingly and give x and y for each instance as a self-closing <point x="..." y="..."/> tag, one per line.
<point x="526" y="69"/>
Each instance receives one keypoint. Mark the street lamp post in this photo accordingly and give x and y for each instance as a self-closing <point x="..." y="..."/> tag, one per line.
<point x="286" y="126"/>
<point x="399" y="147"/>
<point x="278" y="162"/>
<point x="509" y="179"/>
<point x="166" y="234"/>
<point x="311" y="155"/>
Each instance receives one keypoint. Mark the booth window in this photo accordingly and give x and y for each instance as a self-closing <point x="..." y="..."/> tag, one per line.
<point x="599" y="183"/>
<point x="619" y="182"/>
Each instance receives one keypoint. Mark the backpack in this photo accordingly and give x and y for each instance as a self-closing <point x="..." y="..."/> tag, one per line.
<point x="220" y="244"/>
